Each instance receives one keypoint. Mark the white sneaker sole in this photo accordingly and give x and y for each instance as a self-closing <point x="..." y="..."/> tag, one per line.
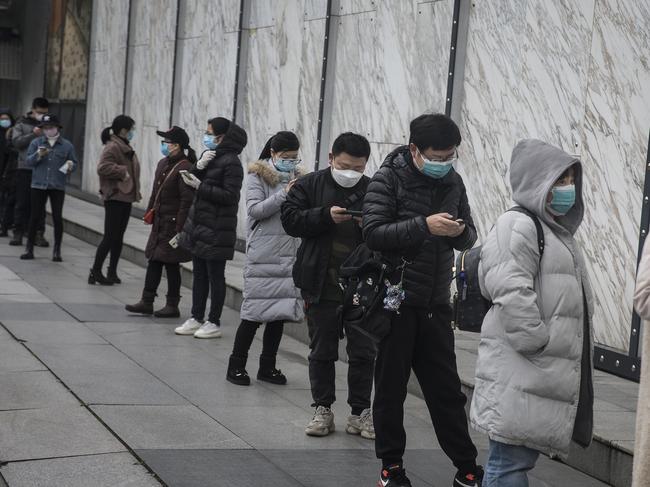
<point x="216" y="334"/>
<point x="353" y="430"/>
<point x="185" y="332"/>
<point x="320" y="432"/>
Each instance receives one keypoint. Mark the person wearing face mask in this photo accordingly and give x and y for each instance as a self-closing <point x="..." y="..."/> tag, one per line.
<point x="540" y="324"/>
<point x="317" y="211"/>
<point x="51" y="158"/>
<point x="119" y="182"/>
<point x="8" y="160"/>
<point x="24" y="132"/>
<point x="210" y="232"/>
<point x="169" y="205"/>
<point x="270" y="295"/>
<point x="416" y="213"/>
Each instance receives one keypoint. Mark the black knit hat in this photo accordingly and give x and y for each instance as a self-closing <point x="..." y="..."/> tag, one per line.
<point x="50" y="119"/>
<point x="176" y="135"/>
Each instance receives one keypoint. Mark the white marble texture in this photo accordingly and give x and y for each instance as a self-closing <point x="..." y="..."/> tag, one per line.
<point x="150" y="79"/>
<point x="105" y="80"/>
<point x="206" y="64"/>
<point x="283" y="77"/>
<point x="391" y="66"/>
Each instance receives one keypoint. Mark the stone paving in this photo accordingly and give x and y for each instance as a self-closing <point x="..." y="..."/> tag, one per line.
<point x="92" y="396"/>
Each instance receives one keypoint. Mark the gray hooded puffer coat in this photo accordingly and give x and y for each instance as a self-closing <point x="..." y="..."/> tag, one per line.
<point x="269" y="291"/>
<point x="528" y="371"/>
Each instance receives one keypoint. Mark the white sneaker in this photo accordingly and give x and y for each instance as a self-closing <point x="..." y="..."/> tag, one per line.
<point x="188" y="328"/>
<point x="361" y="425"/>
<point x="208" y="330"/>
<point x="322" y="424"/>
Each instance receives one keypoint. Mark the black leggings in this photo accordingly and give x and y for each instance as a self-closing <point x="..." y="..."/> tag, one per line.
<point x="116" y="219"/>
<point x="154" y="275"/>
<point x="38" y="201"/>
<point x="246" y="333"/>
<point x="208" y="278"/>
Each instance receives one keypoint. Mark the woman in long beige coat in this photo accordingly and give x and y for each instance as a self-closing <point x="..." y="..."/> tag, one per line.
<point x="642" y="306"/>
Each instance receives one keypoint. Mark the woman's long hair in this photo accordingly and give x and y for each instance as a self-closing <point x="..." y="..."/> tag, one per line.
<point x="120" y="123"/>
<point x="282" y="141"/>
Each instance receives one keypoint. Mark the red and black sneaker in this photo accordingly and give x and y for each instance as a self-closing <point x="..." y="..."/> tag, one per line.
<point x="393" y="476"/>
<point x="469" y="479"/>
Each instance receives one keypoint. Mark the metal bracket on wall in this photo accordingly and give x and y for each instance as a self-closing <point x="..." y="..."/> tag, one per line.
<point x="629" y="365"/>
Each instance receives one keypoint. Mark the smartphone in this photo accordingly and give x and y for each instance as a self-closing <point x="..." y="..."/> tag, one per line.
<point x="183" y="171"/>
<point x="353" y="213"/>
<point x="460" y="221"/>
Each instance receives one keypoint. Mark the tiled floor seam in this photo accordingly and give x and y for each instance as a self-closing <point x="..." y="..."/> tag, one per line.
<point x="39" y="459"/>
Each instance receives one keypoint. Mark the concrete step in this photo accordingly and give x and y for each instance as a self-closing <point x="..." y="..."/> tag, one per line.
<point x="609" y="458"/>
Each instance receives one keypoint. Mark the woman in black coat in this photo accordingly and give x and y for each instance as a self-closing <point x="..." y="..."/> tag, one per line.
<point x="210" y="231"/>
<point x="170" y="202"/>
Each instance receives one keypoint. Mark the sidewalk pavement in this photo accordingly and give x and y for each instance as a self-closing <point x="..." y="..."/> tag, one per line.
<point x="95" y="397"/>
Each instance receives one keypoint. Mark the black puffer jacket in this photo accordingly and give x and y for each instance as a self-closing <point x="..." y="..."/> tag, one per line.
<point x="398" y="201"/>
<point x="210" y="230"/>
<point x="306" y="215"/>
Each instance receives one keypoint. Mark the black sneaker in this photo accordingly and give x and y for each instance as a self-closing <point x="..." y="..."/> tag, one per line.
<point x="469" y="479"/>
<point x="393" y="476"/>
<point x="274" y="376"/>
<point x="238" y="377"/>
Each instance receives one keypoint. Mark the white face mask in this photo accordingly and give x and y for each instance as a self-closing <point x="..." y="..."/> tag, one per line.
<point x="37" y="116"/>
<point x="346" y="178"/>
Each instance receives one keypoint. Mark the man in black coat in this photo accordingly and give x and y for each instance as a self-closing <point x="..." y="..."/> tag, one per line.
<point x="316" y="210"/>
<point x="416" y="213"/>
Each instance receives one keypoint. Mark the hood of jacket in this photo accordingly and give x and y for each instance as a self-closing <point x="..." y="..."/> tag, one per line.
<point x="534" y="168"/>
<point x="267" y="172"/>
<point x="234" y="140"/>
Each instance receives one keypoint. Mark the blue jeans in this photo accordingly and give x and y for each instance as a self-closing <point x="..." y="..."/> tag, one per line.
<point x="508" y="465"/>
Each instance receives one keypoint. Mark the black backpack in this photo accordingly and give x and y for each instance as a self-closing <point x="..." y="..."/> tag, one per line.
<point x="470" y="307"/>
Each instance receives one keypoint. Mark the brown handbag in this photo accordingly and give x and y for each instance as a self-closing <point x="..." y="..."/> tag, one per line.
<point x="151" y="213"/>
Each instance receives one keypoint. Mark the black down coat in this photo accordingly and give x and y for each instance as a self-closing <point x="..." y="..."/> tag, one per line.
<point x="210" y="231"/>
<point x="399" y="199"/>
<point x="170" y="210"/>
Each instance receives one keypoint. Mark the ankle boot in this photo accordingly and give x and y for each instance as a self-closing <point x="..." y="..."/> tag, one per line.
<point x="17" y="240"/>
<point x="237" y="372"/>
<point x="39" y="240"/>
<point x="29" y="252"/>
<point x="96" y="277"/>
<point x="268" y="373"/>
<point x="171" y="308"/>
<point x="56" y="253"/>
<point x="111" y="275"/>
<point x="144" y="306"/>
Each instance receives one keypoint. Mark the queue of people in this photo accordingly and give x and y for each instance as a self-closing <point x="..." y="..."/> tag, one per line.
<point x="302" y="227"/>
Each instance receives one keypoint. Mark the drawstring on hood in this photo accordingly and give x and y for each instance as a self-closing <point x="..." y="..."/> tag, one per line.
<point x="534" y="168"/>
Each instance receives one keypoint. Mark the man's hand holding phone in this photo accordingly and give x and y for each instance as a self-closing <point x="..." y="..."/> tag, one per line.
<point x="444" y="225"/>
<point x="339" y="215"/>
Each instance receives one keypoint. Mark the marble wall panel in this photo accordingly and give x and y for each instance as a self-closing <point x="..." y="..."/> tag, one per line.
<point x="391" y="66"/>
<point x="105" y="79"/>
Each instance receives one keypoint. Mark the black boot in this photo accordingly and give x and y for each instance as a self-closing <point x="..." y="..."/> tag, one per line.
<point x="237" y="372"/>
<point x="96" y="277"/>
<point x="29" y="252"/>
<point x="111" y="275"/>
<point x="171" y="308"/>
<point x="268" y="372"/>
<point x="39" y="240"/>
<point x="17" y="239"/>
<point x="56" y="253"/>
<point x="144" y="306"/>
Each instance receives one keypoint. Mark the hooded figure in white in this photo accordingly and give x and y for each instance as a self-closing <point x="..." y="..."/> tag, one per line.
<point x="534" y="371"/>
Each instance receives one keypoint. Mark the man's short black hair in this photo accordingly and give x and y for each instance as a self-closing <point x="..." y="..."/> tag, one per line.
<point x="40" y="102"/>
<point x="434" y="131"/>
<point x="354" y="144"/>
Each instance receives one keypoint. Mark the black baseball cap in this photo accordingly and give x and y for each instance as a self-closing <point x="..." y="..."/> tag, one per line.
<point x="50" y="119"/>
<point x="176" y="135"/>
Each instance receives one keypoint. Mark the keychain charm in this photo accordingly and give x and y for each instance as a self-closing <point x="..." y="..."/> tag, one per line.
<point x="395" y="292"/>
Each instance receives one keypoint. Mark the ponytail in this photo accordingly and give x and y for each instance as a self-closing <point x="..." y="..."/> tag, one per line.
<point x="106" y="135"/>
<point x="282" y="141"/>
<point x="191" y="155"/>
<point x="120" y="123"/>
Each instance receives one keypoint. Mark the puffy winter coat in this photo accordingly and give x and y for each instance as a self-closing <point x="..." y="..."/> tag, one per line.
<point x="210" y="231"/>
<point x="530" y="355"/>
<point x="269" y="291"/>
<point x="399" y="199"/>
<point x="171" y="210"/>
<point x="119" y="171"/>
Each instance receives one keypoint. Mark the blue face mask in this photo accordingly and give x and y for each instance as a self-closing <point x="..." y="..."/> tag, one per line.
<point x="209" y="141"/>
<point x="164" y="149"/>
<point x="5" y="124"/>
<point x="286" y="165"/>
<point x="436" y="169"/>
<point x="564" y="198"/>
<point x="130" y="135"/>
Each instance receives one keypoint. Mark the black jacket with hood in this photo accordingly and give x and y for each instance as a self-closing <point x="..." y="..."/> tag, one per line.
<point x="210" y="231"/>
<point x="399" y="199"/>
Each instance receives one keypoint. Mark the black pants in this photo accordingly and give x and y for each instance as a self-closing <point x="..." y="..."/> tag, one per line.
<point x="23" y="206"/>
<point x="270" y="342"/>
<point x="422" y="340"/>
<point x="324" y="344"/>
<point x="39" y="200"/>
<point x="154" y="275"/>
<point x="116" y="219"/>
<point x="7" y="207"/>
<point x="208" y="279"/>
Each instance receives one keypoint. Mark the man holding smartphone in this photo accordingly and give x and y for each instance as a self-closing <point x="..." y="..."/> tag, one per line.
<point x="323" y="208"/>
<point x="416" y="213"/>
